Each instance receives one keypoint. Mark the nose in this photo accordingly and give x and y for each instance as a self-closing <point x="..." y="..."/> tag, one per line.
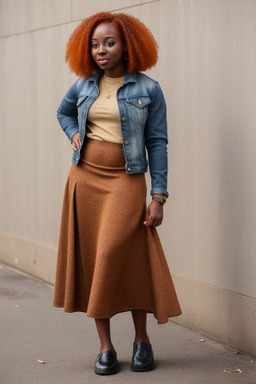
<point x="102" y="49"/>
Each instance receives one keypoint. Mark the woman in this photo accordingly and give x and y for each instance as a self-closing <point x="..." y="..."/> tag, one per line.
<point x="110" y="258"/>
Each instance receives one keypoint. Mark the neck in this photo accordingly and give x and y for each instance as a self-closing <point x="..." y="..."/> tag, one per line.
<point x="117" y="73"/>
<point x="116" y="77"/>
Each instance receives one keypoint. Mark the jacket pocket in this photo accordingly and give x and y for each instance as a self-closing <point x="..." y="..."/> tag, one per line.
<point x="139" y="102"/>
<point x="138" y="115"/>
<point x="138" y="111"/>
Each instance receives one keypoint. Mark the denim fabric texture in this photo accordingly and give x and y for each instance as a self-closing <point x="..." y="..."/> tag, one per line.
<point x="142" y="111"/>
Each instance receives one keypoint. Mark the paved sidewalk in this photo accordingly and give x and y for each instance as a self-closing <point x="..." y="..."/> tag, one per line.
<point x="31" y="329"/>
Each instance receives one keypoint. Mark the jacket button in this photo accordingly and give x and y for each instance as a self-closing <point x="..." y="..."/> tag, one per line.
<point x="123" y="118"/>
<point x="140" y="102"/>
<point x="129" y="169"/>
<point x="126" y="142"/>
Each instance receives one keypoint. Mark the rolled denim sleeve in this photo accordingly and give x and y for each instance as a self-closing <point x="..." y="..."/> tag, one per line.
<point x="67" y="112"/>
<point x="156" y="140"/>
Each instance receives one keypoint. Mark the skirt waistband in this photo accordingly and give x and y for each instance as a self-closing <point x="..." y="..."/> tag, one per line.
<point x="102" y="154"/>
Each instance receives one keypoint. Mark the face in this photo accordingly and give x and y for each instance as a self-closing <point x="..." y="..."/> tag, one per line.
<point x="107" y="49"/>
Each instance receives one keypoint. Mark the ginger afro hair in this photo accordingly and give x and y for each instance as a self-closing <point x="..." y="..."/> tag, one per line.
<point x="141" y="44"/>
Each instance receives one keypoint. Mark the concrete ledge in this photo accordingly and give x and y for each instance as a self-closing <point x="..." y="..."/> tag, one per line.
<point x="28" y="256"/>
<point x="221" y="314"/>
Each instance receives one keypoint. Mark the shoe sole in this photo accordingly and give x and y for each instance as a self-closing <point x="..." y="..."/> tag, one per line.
<point x="103" y="373"/>
<point x="146" y="369"/>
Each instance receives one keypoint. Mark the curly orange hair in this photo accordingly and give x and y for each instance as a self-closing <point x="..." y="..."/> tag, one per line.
<point x="141" y="45"/>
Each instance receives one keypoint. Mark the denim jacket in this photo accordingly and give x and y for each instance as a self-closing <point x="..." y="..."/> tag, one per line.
<point x="142" y="110"/>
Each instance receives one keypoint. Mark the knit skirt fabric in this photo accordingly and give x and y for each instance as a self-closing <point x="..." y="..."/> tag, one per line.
<point x="108" y="261"/>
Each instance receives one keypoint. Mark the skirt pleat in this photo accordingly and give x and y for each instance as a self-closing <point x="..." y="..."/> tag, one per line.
<point x="108" y="261"/>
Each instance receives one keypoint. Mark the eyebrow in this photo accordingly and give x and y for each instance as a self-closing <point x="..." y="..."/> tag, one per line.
<point x="107" y="37"/>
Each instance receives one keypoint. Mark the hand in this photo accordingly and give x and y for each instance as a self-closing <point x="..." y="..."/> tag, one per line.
<point x="75" y="141"/>
<point x="154" y="215"/>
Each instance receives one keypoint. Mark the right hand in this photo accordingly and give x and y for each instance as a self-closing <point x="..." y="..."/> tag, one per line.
<point x="75" y="141"/>
<point x="154" y="215"/>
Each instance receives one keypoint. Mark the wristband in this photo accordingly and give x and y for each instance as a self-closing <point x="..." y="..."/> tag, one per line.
<point x="159" y="197"/>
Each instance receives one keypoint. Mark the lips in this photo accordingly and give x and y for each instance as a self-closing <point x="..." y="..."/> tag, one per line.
<point x="103" y="61"/>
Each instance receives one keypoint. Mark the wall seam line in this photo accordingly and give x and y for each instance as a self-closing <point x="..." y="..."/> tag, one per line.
<point x="67" y="22"/>
<point x="35" y="30"/>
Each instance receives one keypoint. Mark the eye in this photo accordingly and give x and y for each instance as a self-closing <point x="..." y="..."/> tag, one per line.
<point x="94" y="45"/>
<point x="110" y="43"/>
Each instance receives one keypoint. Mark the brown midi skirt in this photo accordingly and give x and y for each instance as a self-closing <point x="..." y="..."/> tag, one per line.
<point x="108" y="261"/>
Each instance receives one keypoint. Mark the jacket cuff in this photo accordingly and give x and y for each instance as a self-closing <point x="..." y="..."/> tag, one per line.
<point x="159" y="190"/>
<point x="70" y="133"/>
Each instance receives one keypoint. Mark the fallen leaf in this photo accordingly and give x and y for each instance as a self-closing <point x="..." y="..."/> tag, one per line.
<point x="237" y="353"/>
<point x="41" y="362"/>
<point x="202" y="340"/>
<point x="251" y="361"/>
<point x="238" y="371"/>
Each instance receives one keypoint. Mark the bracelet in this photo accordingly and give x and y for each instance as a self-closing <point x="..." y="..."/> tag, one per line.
<point x="159" y="197"/>
<point x="158" y="194"/>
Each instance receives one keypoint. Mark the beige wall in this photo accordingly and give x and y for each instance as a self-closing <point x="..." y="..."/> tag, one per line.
<point x="207" y="62"/>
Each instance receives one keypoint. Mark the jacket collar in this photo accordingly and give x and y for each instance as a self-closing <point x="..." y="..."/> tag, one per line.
<point x="95" y="77"/>
<point x="128" y="78"/>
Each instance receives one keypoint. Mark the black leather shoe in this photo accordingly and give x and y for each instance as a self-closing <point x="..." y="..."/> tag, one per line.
<point x="142" y="358"/>
<point x="106" y="363"/>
